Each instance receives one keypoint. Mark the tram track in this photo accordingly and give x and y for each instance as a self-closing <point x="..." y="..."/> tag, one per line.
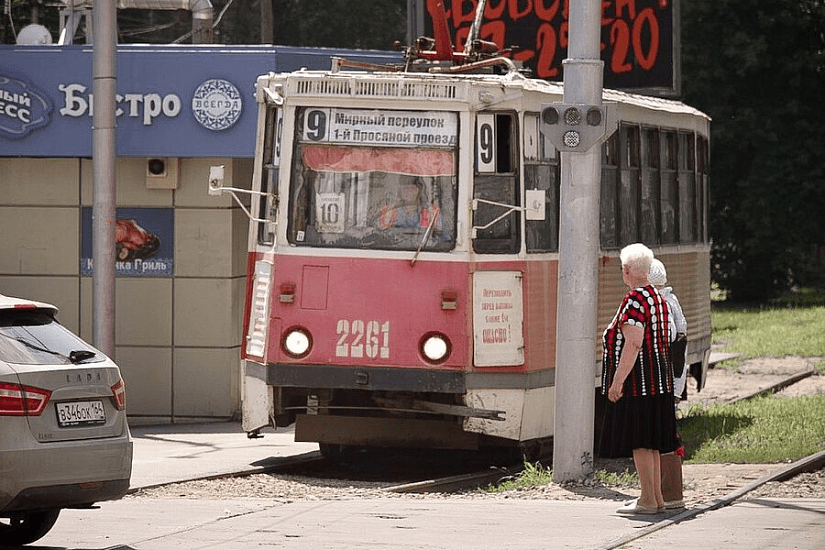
<point x="371" y="474"/>
<point x="307" y="463"/>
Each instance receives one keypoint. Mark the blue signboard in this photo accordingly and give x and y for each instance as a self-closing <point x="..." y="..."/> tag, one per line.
<point x="172" y="101"/>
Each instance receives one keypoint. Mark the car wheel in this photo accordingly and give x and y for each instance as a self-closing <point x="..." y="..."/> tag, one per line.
<point x="26" y="527"/>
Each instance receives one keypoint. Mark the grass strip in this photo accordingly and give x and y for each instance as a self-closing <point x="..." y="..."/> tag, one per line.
<point x="766" y="429"/>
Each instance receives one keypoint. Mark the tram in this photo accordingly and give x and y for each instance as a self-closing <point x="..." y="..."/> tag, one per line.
<point x="403" y="247"/>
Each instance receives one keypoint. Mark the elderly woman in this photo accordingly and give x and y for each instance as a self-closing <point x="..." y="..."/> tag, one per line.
<point x="637" y="377"/>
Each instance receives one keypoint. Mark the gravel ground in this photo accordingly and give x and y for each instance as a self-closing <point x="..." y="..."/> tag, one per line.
<point x="702" y="482"/>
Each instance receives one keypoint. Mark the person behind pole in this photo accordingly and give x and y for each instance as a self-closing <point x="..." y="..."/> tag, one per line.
<point x="678" y="327"/>
<point x="637" y="378"/>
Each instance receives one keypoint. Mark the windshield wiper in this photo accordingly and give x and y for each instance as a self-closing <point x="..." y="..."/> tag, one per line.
<point x="36" y="347"/>
<point x="75" y="356"/>
<point x="80" y="355"/>
<point x="426" y="238"/>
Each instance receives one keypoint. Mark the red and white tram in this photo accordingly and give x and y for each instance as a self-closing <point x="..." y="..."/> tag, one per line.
<point x="403" y="251"/>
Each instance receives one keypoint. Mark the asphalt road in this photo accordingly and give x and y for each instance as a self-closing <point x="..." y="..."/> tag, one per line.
<point x="176" y="453"/>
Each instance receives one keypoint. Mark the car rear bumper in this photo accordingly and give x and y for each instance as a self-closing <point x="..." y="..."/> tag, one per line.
<point x="67" y="496"/>
<point x="59" y="475"/>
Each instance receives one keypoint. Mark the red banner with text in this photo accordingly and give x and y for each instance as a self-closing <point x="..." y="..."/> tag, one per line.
<point x="637" y="37"/>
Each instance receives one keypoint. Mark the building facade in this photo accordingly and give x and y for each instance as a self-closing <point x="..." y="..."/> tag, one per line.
<point x="181" y="270"/>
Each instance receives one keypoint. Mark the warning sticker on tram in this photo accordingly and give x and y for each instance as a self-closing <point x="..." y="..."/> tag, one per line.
<point x="80" y="413"/>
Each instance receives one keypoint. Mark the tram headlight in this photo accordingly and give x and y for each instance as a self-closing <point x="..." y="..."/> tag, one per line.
<point x="297" y="342"/>
<point x="435" y="347"/>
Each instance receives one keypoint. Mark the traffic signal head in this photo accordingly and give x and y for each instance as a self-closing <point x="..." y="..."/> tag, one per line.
<point x="573" y="128"/>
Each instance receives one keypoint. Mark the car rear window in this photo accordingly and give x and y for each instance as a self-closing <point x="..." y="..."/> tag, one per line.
<point x="34" y="337"/>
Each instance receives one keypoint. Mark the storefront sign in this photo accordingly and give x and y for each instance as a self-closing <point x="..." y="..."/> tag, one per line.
<point x="143" y="240"/>
<point x="22" y="107"/>
<point x="217" y="104"/>
<point x="171" y="101"/>
<point x="77" y="102"/>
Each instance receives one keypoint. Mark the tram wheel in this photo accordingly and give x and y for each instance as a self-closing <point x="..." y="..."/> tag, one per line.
<point x="332" y="451"/>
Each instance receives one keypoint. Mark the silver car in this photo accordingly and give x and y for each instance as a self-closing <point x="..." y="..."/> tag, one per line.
<point x="64" y="440"/>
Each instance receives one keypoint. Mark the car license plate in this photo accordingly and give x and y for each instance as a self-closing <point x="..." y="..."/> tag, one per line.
<point x="80" y="413"/>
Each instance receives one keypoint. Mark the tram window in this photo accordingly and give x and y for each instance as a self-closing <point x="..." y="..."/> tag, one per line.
<point x="610" y="151"/>
<point x="608" y="212"/>
<point x="541" y="171"/>
<point x="702" y="155"/>
<point x="495" y="181"/>
<point x="650" y="187"/>
<point x="504" y="150"/>
<point x="651" y="148"/>
<point x="670" y="151"/>
<point x="269" y="172"/>
<point x="669" y="199"/>
<point x="632" y="146"/>
<point x="629" y="185"/>
<point x="702" y="188"/>
<point x="688" y="215"/>
<point x="543" y="235"/>
<point x="370" y="197"/>
<point x="686" y="151"/>
<point x="536" y="147"/>
<point x="628" y="203"/>
<point x="502" y="236"/>
<point x="495" y="143"/>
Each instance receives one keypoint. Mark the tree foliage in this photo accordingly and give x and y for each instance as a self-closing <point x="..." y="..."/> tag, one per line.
<point x="757" y="68"/>
<point x="364" y="24"/>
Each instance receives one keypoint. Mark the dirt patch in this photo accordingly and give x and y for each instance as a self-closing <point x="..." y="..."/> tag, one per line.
<point x="753" y="375"/>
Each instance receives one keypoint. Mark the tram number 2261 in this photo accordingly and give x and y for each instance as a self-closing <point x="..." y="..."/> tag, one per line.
<point x="359" y="338"/>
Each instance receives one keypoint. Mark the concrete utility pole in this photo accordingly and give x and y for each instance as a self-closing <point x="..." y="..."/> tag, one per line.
<point x="578" y="258"/>
<point x="104" y="73"/>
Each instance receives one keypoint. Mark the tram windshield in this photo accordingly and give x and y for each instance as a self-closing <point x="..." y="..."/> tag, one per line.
<point x="374" y="179"/>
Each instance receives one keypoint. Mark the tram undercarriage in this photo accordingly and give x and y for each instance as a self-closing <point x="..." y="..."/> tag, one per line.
<point x="326" y="406"/>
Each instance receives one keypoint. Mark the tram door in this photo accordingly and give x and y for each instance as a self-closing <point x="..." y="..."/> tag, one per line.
<point x="498" y="307"/>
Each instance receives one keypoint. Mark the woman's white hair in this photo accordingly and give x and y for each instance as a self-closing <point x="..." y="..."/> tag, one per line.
<point x="637" y="256"/>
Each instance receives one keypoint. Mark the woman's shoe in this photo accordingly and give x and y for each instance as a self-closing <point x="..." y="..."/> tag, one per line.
<point x="633" y="507"/>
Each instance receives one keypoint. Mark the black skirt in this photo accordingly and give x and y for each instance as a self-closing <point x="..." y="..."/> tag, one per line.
<point x="645" y="422"/>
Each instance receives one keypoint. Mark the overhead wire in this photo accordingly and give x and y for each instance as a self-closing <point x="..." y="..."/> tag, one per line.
<point x="7" y="9"/>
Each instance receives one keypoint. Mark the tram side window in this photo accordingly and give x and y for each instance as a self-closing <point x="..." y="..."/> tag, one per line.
<point x="542" y="172"/>
<point x="654" y="187"/>
<point x="702" y="186"/>
<point x="688" y="214"/>
<point x="629" y="197"/>
<point x="650" y="186"/>
<point x="269" y="172"/>
<point x="670" y="188"/>
<point x="496" y="181"/>
<point x="608" y="212"/>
